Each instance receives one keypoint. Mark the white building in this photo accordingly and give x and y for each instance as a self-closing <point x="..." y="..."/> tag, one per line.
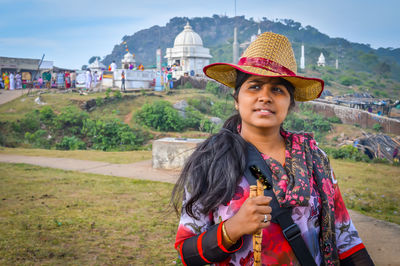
<point x="321" y="60"/>
<point x="97" y="66"/>
<point x="188" y="53"/>
<point x="127" y="60"/>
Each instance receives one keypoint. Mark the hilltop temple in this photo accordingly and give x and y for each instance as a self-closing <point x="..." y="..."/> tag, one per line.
<point x="188" y="54"/>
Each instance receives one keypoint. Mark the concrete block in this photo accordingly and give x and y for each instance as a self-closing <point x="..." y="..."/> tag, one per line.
<point x="172" y="153"/>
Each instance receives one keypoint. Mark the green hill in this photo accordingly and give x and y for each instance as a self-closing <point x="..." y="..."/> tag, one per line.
<point x="217" y="34"/>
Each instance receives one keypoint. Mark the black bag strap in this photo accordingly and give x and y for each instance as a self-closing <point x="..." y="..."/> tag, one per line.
<point x="256" y="166"/>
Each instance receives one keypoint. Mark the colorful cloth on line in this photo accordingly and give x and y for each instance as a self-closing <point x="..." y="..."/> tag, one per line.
<point x="306" y="213"/>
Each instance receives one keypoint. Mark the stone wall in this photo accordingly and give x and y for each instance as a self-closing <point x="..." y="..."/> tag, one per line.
<point x="355" y="116"/>
<point x="19" y="63"/>
<point x="172" y="153"/>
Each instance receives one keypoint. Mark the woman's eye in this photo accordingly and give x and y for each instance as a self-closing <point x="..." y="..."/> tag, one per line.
<point x="277" y="89"/>
<point x="254" y="87"/>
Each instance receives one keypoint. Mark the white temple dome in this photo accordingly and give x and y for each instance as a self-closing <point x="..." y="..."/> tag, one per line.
<point x="96" y="65"/>
<point x="188" y="38"/>
<point x="128" y="57"/>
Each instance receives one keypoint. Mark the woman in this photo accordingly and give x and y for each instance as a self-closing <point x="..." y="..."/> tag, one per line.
<point x="67" y="79"/>
<point x="218" y="218"/>
<point x="18" y="79"/>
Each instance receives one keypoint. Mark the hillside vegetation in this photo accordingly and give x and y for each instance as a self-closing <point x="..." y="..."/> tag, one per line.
<point x="131" y="122"/>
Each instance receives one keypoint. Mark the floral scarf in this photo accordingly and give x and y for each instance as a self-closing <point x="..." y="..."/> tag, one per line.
<point x="291" y="185"/>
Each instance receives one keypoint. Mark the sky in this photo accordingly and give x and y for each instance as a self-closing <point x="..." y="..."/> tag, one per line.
<point x="70" y="32"/>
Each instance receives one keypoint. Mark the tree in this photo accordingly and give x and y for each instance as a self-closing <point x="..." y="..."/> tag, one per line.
<point x="382" y="68"/>
<point x="93" y="58"/>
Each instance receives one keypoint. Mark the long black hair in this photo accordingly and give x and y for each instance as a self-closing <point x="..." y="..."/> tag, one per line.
<point x="214" y="169"/>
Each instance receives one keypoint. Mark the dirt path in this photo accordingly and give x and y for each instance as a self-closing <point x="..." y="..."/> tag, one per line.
<point x="7" y="95"/>
<point x="382" y="239"/>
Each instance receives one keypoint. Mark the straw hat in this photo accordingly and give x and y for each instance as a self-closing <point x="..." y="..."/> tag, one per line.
<point x="269" y="55"/>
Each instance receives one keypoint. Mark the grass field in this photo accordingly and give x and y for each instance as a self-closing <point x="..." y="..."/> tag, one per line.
<point x="52" y="217"/>
<point x="372" y="189"/>
<point x="56" y="217"/>
<point x="123" y="157"/>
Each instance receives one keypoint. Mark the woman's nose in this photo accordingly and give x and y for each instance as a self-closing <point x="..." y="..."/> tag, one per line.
<point x="265" y="95"/>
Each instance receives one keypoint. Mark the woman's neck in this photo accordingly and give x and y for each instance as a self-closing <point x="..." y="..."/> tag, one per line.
<point x="267" y="141"/>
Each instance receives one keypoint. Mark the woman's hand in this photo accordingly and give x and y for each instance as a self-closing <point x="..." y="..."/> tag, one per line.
<point x="250" y="218"/>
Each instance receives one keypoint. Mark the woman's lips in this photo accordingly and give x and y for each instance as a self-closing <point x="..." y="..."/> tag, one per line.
<point x="264" y="112"/>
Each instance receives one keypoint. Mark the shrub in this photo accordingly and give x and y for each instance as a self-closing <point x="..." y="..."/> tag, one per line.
<point x="293" y="123"/>
<point x="349" y="152"/>
<point x="188" y="85"/>
<point x="334" y="119"/>
<point x="118" y="94"/>
<point x="207" y="126"/>
<point x="38" y="139"/>
<point x="47" y="116"/>
<point x="30" y="123"/>
<point x="112" y="135"/>
<point x="71" y="143"/>
<point x="349" y="80"/>
<point x="161" y="116"/>
<point x="222" y="109"/>
<point x="318" y="123"/>
<point x="193" y="117"/>
<point x="212" y="87"/>
<point x="71" y="120"/>
<point x="99" y="101"/>
<point x="108" y="92"/>
<point x="203" y="104"/>
<point x="377" y="127"/>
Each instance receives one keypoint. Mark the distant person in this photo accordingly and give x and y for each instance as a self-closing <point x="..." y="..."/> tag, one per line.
<point x="130" y="66"/>
<point x="18" y="81"/>
<point x="123" y="81"/>
<point x="12" y="81"/>
<point x="60" y="80"/>
<point x="73" y="79"/>
<point x="6" y="79"/>
<point x="95" y="77"/>
<point x="88" y="79"/>
<point x="46" y="76"/>
<point x="40" y="82"/>
<point x="67" y="80"/>
<point x="1" y="82"/>
<point x="395" y="154"/>
<point x="113" y="66"/>
<point x="170" y="81"/>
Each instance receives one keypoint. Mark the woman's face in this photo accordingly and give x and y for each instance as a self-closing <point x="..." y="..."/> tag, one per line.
<point x="263" y="102"/>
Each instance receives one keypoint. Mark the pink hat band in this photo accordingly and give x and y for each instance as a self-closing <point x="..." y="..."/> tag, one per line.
<point x="265" y="64"/>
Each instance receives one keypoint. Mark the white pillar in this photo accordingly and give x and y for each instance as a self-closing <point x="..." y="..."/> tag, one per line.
<point x="235" y="47"/>
<point x="302" y="59"/>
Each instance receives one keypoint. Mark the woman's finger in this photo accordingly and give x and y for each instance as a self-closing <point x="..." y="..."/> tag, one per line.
<point x="263" y="209"/>
<point x="262" y="200"/>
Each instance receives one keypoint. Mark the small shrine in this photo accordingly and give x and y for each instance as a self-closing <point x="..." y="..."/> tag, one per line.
<point x="97" y="66"/>
<point x="321" y="60"/>
<point x="128" y="60"/>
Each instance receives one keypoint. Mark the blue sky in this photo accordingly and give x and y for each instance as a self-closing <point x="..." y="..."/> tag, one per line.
<point x="70" y="32"/>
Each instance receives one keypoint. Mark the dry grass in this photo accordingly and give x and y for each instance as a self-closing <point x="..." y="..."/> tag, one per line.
<point x="56" y="217"/>
<point x="372" y="189"/>
<point x="91" y="155"/>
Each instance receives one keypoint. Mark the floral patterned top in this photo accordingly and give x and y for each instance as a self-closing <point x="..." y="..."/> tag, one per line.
<point x="275" y="248"/>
